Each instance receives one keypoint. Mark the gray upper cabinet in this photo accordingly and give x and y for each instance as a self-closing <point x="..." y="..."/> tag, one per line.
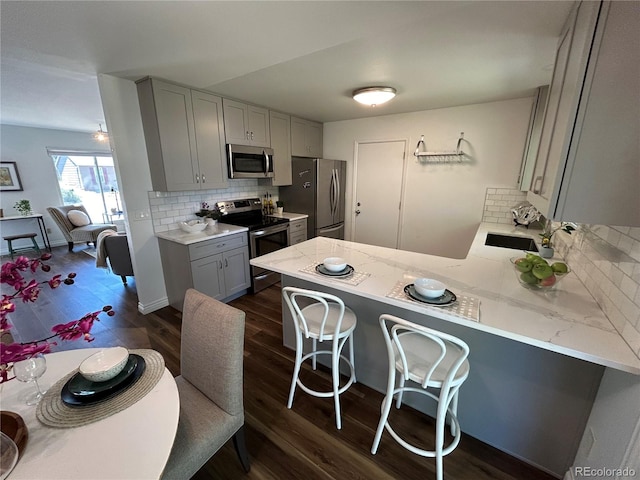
<point x="306" y="138"/>
<point x="246" y="124"/>
<point x="587" y="167"/>
<point x="281" y="143"/>
<point x="184" y="134"/>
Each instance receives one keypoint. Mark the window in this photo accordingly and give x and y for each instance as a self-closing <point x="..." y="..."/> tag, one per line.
<point x="89" y="178"/>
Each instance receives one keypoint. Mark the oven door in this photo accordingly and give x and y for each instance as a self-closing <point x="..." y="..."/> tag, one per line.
<point x="249" y="162"/>
<point x="265" y="241"/>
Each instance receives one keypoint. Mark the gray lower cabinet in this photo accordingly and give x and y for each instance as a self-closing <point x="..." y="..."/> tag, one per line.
<point x="297" y="231"/>
<point x="218" y="268"/>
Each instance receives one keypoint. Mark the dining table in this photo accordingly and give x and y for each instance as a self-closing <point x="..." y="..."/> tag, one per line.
<point x="131" y="442"/>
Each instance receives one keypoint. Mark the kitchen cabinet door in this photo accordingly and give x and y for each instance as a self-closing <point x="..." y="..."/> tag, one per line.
<point x="184" y="135"/>
<point x="306" y="138"/>
<point x="237" y="275"/>
<point x="259" y="135"/>
<point x="587" y="166"/>
<point x="208" y="276"/>
<point x="167" y="118"/>
<point x="209" y="135"/>
<point x="246" y="124"/>
<point x="280" y="125"/>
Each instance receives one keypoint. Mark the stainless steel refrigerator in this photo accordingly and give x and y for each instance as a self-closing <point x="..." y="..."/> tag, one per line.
<point x="318" y="190"/>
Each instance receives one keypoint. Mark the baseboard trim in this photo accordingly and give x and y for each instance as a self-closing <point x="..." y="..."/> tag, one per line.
<point x="145" y="308"/>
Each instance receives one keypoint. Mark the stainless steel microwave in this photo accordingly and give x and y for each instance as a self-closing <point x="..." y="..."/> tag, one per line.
<point x="249" y="162"/>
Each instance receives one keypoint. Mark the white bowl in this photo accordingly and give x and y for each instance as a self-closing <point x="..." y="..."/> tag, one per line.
<point x="105" y="364"/>
<point x="428" y="287"/>
<point x="335" y="264"/>
<point x="194" y="226"/>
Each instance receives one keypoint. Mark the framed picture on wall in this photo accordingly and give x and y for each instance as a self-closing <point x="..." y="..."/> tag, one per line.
<point x="9" y="177"/>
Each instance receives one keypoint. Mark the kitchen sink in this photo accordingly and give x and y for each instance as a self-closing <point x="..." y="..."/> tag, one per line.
<point x="511" y="241"/>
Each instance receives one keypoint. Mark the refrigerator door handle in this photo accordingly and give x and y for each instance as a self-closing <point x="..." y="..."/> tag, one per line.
<point x="332" y="192"/>
<point x="338" y="192"/>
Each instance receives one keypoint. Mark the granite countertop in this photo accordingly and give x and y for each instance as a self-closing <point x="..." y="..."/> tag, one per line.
<point x="216" y="231"/>
<point x="566" y="320"/>
<point x="290" y="216"/>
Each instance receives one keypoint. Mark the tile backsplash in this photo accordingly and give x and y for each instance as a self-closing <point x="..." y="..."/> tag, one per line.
<point x="607" y="261"/>
<point x="499" y="202"/>
<point x="605" y="258"/>
<point x="170" y="208"/>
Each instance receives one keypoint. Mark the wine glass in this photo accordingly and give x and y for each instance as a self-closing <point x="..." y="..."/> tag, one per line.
<point x="30" y="370"/>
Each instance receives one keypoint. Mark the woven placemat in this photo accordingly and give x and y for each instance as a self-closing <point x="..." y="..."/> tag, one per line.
<point x="53" y="412"/>
<point x="353" y="279"/>
<point x="464" y="307"/>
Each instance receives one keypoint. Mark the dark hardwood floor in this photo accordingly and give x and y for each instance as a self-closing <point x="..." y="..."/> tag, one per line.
<point x="301" y="443"/>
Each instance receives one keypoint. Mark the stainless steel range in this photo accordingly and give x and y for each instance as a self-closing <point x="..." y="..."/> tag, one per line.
<point x="266" y="234"/>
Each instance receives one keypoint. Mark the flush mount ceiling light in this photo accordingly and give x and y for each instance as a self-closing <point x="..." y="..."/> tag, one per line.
<point x="101" y="135"/>
<point x="374" y="95"/>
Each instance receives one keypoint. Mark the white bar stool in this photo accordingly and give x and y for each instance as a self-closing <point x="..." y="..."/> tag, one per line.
<point x="431" y="359"/>
<point x="326" y="319"/>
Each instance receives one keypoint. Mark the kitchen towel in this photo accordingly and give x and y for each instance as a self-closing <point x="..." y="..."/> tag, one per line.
<point x="464" y="307"/>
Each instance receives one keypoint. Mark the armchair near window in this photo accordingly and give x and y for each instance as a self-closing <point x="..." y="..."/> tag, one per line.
<point x="77" y="227"/>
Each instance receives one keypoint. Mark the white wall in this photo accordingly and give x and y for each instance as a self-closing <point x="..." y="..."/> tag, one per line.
<point x="124" y="123"/>
<point x="28" y="148"/>
<point x="442" y="203"/>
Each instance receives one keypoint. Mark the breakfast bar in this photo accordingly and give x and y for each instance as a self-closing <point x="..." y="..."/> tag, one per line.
<point x="536" y="357"/>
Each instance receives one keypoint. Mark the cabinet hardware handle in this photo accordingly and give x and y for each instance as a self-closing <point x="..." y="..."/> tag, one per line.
<point x="251" y="135"/>
<point x="197" y="178"/>
<point x="226" y="263"/>
<point x="535" y="182"/>
<point x="203" y="179"/>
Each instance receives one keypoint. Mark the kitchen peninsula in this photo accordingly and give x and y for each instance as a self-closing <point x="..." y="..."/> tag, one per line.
<point x="536" y="358"/>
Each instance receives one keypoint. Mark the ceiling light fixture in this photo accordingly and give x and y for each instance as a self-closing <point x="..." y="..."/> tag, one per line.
<point x="101" y="135"/>
<point x="374" y="95"/>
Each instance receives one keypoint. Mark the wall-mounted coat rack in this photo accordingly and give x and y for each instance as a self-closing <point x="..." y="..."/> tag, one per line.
<point x="442" y="157"/>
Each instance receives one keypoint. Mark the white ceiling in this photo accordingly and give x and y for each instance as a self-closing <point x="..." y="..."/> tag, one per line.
<point x="300" y="57"/>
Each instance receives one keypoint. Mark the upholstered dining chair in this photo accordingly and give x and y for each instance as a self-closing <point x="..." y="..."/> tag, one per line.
<point x="210" y="385"/>
<point x="76" y="225"/>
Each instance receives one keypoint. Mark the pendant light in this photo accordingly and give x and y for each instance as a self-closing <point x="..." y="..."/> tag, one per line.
<point x="101" y="135"/>
<point x="374" y="95"/>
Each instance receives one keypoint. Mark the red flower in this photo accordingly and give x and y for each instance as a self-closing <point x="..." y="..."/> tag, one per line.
<point x="30" y="292"/>
<point x="55" y="281"/>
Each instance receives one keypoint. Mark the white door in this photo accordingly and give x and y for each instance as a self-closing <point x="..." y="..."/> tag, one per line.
<point x="379" y="170"/>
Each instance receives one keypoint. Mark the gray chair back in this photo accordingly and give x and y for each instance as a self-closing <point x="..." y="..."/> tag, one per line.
<point x="212" y="348"/>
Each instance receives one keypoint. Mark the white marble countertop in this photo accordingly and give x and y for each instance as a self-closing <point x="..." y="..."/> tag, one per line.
<point x="290" y="216"/>
<point x="211" y="232"/>
<point x="566" y="320"/>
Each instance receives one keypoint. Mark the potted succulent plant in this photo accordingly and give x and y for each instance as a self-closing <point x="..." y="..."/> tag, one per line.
<point x="546" y="249"/>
